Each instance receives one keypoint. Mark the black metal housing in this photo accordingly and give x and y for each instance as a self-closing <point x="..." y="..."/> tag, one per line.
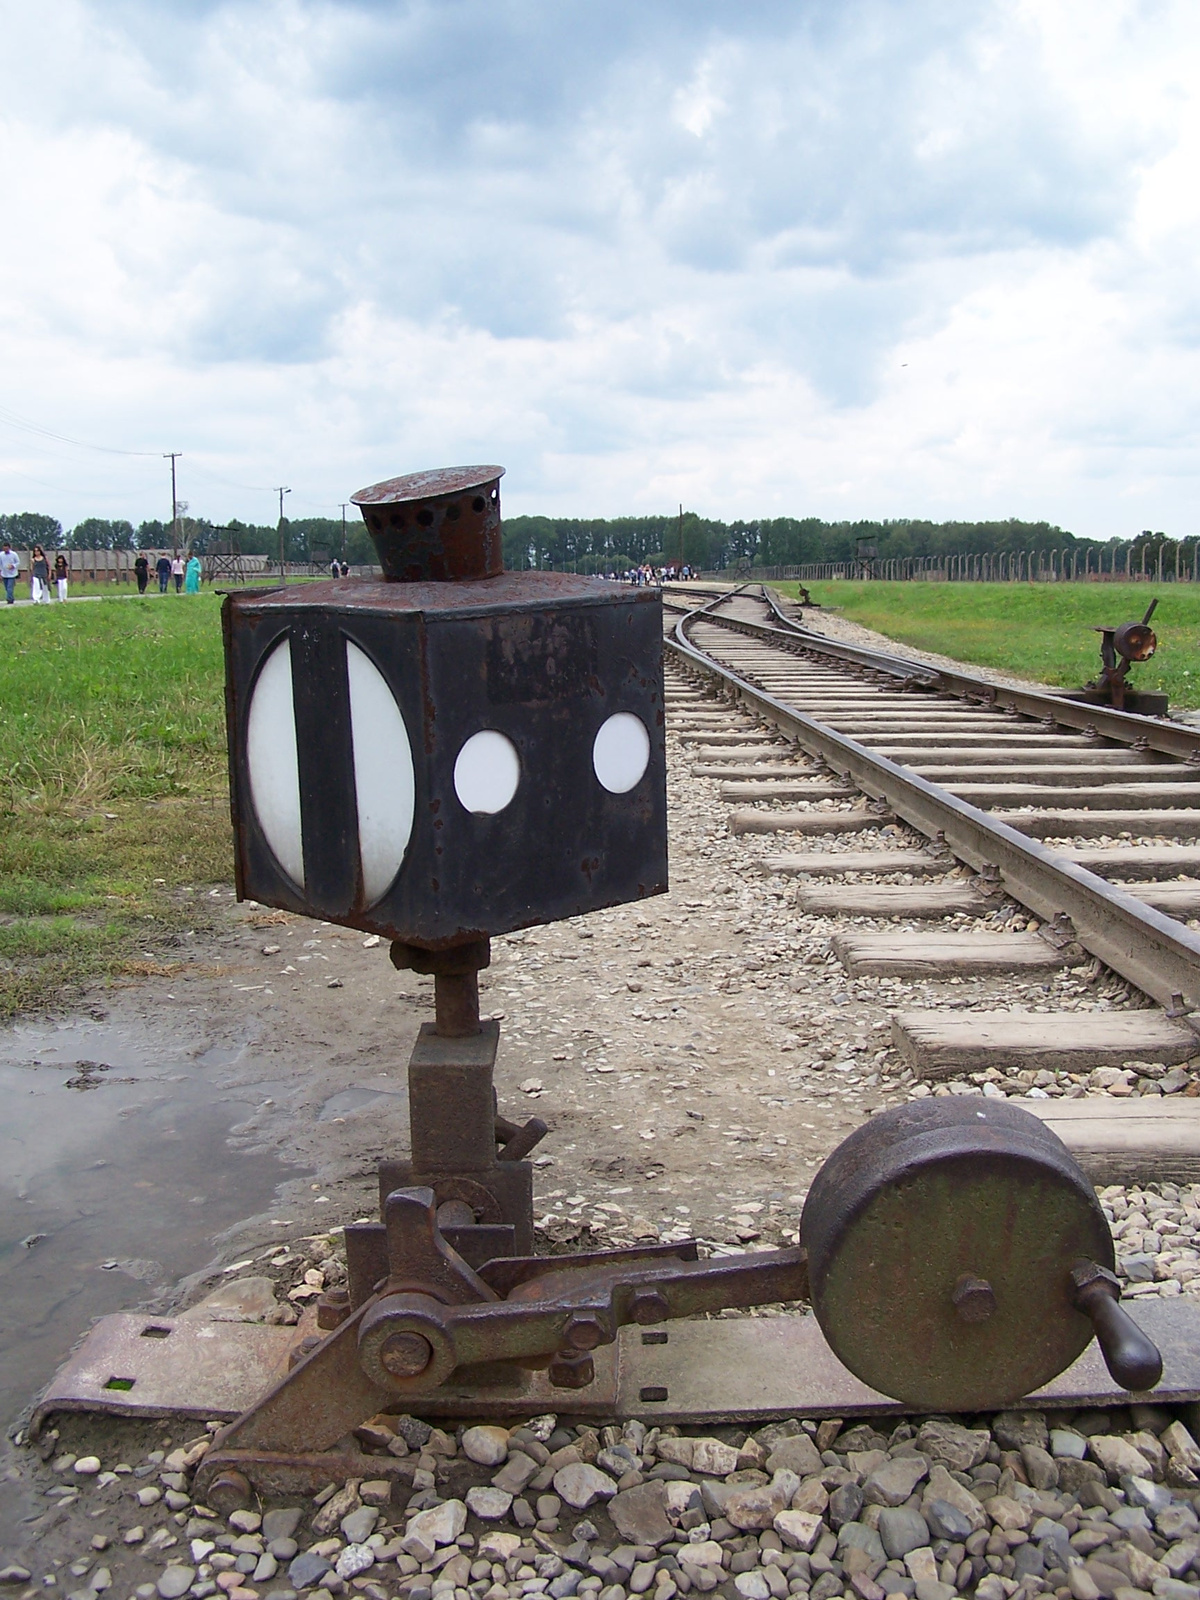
<point x="541" y="658"/>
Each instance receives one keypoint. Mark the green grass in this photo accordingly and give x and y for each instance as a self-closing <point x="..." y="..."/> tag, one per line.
<point x="1040" y="631"/>
<point x="112" y="787"/>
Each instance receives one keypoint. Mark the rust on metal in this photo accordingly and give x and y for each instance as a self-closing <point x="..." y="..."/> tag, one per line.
<point x="746" y="1369"/>
<point x="431" y="1322"/>
<point x="441" y="526"/>
<point x="1059" y="710"/>
<point x="925" y="1196"/>
<point x="1120" y="648"/>
<point x="1153" y="951"/>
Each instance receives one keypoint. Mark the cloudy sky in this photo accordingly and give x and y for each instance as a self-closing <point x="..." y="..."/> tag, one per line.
<point x="771" y="257"/>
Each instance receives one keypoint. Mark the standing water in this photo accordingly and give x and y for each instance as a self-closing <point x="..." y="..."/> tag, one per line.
<point x="116" y="1174"/>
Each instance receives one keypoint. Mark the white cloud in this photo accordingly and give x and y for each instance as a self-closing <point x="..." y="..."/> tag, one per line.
<point x="844" y="257"/>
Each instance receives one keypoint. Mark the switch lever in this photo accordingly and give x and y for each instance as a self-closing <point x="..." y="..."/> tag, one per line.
<point x="1130" y="1356"/>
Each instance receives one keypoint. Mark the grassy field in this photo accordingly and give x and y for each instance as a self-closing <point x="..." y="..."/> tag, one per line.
<point x="1036" y="630"/>
<point x="112" y="787"/>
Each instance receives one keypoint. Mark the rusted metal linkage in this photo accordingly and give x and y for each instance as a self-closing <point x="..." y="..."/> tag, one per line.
<point x="1152" y="951"/>
<point x="431" y="1318"/>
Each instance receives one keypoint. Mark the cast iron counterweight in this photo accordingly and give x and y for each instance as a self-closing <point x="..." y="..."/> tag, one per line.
<point x="455" y="752"/>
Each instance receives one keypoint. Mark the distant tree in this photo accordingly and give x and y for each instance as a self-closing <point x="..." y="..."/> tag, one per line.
<point x="26" y="528"/>
<point x="153" y="535"/>
<point x="195" y="534"/>
<point x="97" y="533"/>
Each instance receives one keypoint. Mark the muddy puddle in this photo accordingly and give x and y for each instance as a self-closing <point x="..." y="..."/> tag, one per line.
<point x="117" y="1177"/>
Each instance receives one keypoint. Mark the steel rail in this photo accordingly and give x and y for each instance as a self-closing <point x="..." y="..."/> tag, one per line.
<point x="1152" y="951"/>
<point x="1125" y="727"/>
<point x="1169" y="738"/>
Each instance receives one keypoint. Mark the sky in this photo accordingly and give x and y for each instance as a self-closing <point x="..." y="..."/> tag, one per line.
<point x="835" y="258"/>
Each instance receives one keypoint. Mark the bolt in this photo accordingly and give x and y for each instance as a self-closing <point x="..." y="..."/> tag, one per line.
<point x="1086" y="1274"/>
<point x="974" y="1299"/>
<point x="333" y="1308"/>
<point x="406" y="1355"/>
<point x="571" y="1371"/>
<point x="582" y="1332"/>
<point x="648" y="1307"/>
<point x="305" y="1347"/>
<point x="230" y="1491"/>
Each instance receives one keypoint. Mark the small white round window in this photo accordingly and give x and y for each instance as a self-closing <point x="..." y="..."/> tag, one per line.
<point x="487" y="773"/>
<point x="621" y="752"/>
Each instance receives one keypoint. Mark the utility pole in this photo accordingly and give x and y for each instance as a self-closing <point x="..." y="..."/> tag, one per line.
<point x="282" y="569"/>
<point x="174" y="455"/>
<point x="681" y="536"/>
<point x="344" y="504"/>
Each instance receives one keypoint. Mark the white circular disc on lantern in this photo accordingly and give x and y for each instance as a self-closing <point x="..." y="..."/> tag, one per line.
<point x="487" y="773"/>
<point x="273" y="763"/>
<point x="621" y="752"/>
<point x="383" y="774"/>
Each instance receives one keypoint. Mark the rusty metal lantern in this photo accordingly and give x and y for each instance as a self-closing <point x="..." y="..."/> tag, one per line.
<point x="454" y="751"/>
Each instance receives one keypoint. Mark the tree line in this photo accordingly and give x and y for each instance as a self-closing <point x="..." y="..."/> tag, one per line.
<point x="613" y="544"/>
<point x="306" y="538"/>
<point x="598" y="544"/>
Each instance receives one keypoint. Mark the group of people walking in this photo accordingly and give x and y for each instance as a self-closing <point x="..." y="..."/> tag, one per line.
<point x="42" y="570"/>
<point x="166" y="568"/>
<point x="655" y="576"/>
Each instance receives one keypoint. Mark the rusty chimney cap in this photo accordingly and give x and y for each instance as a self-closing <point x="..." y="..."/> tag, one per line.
<point x="427" y="485"/>
<point x="442" y="525"/>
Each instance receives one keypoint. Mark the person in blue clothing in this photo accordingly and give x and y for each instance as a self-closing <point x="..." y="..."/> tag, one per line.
<point x="163" y="568"/>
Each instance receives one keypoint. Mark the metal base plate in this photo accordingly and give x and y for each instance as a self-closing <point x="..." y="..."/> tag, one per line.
<point x="754" y="1368"/>
<point x="132" y="1365"/>
<point x="736" y="1369"/>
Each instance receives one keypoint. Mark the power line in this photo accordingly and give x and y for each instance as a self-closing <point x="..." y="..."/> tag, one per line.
<point x="12" y="420"/>
<point x="251" y="488"/>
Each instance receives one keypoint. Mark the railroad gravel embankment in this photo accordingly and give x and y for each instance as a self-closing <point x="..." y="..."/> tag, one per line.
<point x="1098" y="1505"/>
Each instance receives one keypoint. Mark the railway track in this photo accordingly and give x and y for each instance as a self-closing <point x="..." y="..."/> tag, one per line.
<point x="954" y="828"/>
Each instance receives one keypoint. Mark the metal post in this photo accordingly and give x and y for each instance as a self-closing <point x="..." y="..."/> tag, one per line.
<point x="173" y="455"/>
<point x="282" y="568"/>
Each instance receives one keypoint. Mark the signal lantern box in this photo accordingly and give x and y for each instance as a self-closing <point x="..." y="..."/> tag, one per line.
<point x="452" y="750"/>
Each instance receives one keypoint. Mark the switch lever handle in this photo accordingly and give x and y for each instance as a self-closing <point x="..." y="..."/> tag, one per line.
<point x="1129" y="1354"/>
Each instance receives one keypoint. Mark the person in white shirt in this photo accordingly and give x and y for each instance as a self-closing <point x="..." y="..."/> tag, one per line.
<point x="177" y="573"/>
<point x="10" y="571"/>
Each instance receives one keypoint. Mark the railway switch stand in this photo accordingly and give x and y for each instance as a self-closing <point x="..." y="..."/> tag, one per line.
<point x="454" y="752"/>
<point x="1120" y="649"/>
